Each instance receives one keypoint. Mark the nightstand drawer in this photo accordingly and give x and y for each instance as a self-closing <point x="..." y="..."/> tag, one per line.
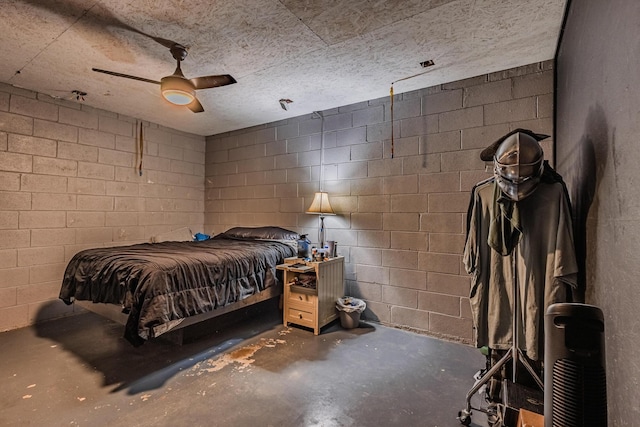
<point x="300" y="317"/>
<point x="302" y="299"/>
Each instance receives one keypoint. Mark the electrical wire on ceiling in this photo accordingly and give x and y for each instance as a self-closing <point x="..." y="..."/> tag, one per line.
<point x="424" y="65"/>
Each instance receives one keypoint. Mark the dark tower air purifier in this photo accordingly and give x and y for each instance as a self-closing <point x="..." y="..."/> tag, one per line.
<point x="575" y="387"/>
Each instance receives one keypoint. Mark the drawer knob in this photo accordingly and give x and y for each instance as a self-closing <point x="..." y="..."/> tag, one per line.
<point x="300" y="314"/>
<point x="300" y="297"/>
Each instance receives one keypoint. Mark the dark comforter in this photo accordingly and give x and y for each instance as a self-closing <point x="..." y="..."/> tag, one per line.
<point x="159" y="284"/>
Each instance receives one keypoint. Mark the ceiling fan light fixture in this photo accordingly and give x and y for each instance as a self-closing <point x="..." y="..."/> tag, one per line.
<point x="177" y="90"/>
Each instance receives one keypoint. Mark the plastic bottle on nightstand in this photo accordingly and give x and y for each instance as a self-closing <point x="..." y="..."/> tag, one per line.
<point x="304" y="249"/>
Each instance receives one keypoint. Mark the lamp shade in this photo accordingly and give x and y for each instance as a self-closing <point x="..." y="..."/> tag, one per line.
<point x="177" y="90"/>
<point x="320" y="204"/>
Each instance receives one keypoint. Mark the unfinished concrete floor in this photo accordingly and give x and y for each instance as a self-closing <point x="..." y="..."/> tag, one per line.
<point x="249" y="370"/>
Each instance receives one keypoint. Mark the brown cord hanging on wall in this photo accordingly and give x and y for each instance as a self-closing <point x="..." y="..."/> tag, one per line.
<point x="140" y="149"/>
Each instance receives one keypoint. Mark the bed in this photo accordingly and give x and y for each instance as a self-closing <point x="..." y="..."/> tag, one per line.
<point x="167" y="285"/>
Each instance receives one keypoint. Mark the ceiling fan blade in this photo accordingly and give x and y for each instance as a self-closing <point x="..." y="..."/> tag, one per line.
<point x="207" y="82"/>
<point x="113" y="73"/>
<point x="195" y="106"/>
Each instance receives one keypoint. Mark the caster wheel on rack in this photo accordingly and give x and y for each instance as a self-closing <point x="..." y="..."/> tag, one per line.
<point x="464" y="417"/>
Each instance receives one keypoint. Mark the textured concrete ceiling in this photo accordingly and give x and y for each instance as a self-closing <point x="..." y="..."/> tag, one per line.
<point x="318" y="53"/>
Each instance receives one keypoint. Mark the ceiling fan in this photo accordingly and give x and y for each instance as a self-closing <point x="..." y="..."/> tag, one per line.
<point x="176" y="88"/>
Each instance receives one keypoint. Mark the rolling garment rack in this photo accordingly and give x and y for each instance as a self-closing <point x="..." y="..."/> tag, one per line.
<point x="514" y="353"/>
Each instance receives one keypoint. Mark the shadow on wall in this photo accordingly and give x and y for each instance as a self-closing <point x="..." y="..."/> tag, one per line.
<point x="585" y="176"/>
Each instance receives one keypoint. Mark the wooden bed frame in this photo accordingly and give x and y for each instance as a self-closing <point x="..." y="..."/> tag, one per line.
<point x="176" y="334"/>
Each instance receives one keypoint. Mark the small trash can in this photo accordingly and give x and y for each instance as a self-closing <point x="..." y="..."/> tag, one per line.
<point x="350" y="309"/>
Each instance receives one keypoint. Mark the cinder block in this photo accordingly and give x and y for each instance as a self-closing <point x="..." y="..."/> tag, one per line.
<point x="510" y="111"/>
<point x="377" y="203"/>
<point x="47" y="273"/>
<point x="86" y="219"/>
<point x="57" y="131"/>
<point x="95" y="170"/>
<point x="79" y="118"/>
<point x="487" y="93"/>
<point x="14" y="201"/>
<point x="447" y="100"/>
<point x="285" y="161"/>
<point x="265" y="135"/>
<point x="407" y="278"/>
<point x="446" y="243"/>
<point x="441" y="142"/>
<point x="373" y="239"/>
<point x="368" y="151"/>
<point x="99" y="235"/>
<point x="368" y="116"/>
<point x="286" y="131"/>
<point x="4" y="101"/>
<point x="8" y="297"/>
<point x="402" y="297"/>
<point x="14" y="317"/>
<point x="448" y="202"/>
<point x="409" y="203"/>
<point x="117" y="158"/>
<point x="461" y="119"/>
<point x="97" y="138"/>
<point x="403" y="147"/>
<point x="42" y="255"/>
<point x="88" y="186"/>
<point x="404" y="108"/>
<point x="337" y="155"/>
<point x="451" y="326"/>
<point x="400" y="184"/>
<point x="439" y="263"/>
<point x="409" y="241"/>
<point x="442" y="222"/>
<point x="33" y="108"/>
<point x="12" y="162"/>
<point x="53" y="237"/>
<point x="386" y="167"/>
<point x="8" y="258"/>
<point x="372" y="274"/>
<point x="545" y="106"/>
<point x="14" y="123"/>
<point x="412" y="318"/>
<point x="439" y="303"/>
<point x="352" y="170"/>
<point x="37" y="292"/>
<point x="119" y="127"/>
<point x="399" y="258"/>
<point x="382" y="131"/>
<point x="8" y="220"/>
<point x="421" y="125"/>
<point x="401" y="221"/>
<point x="364" y="290"/>
<point x="367" y="256"/>
<point x="260" y="164"/>
<point x="74" y="151"/>
<point x="12" y="277"/>
<point x="31" y="145"/>
<point x="533" y="84"/>
<point x="42" y="183"/>
<point x="128" y="235"/>
<point x="449" y="284"/>
<point x="51" y="166"/>
<point x="424" y="163"/>
<point x="484" y="136"/>
<point x="337" y="121"/>
<point x="53" y="202"/>
<point x="94" y="203"/>
<point x="444" y="182"/>
<point x="353" y="136"/>
<point x="10" y="181"/>
<point x="42" y="219"/>
<point x="465" y="160"/>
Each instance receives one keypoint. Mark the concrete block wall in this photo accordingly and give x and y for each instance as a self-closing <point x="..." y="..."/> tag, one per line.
<point x="400" y="220"/>
<point x="68" y="181"/>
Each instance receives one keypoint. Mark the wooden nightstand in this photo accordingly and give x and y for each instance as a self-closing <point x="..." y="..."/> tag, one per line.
<point x="308" y="306"/>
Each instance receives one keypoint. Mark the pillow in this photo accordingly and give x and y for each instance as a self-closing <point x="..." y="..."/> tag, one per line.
<point x="262" y="233"/>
